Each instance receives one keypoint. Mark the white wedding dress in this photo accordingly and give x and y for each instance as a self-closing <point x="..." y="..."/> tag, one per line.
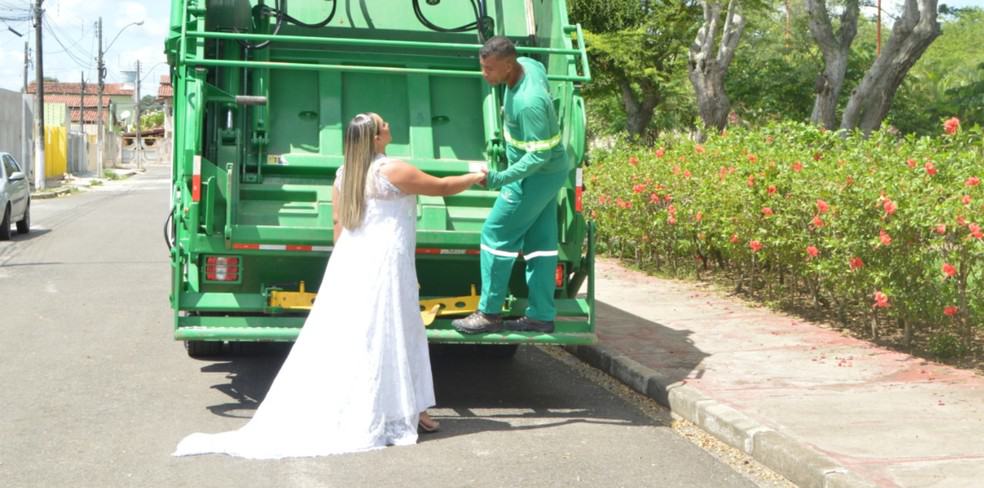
<point x="359" y="374"/>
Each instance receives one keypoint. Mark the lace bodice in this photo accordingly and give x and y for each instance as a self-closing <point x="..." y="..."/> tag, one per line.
<point x="390" y="214"/>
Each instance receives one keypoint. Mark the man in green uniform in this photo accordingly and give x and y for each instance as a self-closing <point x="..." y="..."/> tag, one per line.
<point x="524" y="217"/>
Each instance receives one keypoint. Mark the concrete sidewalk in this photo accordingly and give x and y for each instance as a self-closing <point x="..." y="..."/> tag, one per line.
<point x="820" y="408"/>
<point x="55" y="188"/>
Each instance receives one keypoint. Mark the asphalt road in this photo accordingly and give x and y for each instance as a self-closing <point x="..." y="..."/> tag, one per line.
<point x="95" y="393"/>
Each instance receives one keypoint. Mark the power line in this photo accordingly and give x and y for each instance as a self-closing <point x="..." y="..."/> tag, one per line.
<point x="75" y="57"/>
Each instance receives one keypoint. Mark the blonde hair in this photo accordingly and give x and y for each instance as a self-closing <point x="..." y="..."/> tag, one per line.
<point x="359" y="154"/>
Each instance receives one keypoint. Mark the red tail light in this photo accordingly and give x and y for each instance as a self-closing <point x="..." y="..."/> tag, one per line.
<point x="222" y="268"/>
<point x="560" y="275"/>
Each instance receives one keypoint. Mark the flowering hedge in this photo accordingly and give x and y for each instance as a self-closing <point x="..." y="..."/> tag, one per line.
<point x="881" y="229"/>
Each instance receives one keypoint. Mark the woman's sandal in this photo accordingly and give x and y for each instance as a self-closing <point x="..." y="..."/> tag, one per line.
<point x="425" y="429"/>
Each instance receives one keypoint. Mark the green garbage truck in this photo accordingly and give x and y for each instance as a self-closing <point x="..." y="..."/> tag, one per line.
<point x="263" y="90"/>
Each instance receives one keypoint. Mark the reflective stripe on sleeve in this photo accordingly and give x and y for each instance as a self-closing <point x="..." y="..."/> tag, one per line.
<point x="531" y="146"/>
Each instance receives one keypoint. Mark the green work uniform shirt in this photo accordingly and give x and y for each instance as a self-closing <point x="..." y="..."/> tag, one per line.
<point x="532" y="132"/>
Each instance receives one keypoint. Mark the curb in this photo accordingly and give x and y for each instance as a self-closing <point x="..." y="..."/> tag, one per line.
<point x="51" y="194"/>
<point x="798" y="462"/>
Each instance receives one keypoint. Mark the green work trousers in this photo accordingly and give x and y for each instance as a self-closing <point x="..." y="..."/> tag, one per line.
<point x="524" y="218"/>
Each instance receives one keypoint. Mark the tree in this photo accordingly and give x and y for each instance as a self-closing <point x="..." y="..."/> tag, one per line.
<point x="912" y="34"/>
<point x="636" y="48"/>
<point x="948" y="80"/>
<point x="836" y="49"/>
<point x="708" y="68"/>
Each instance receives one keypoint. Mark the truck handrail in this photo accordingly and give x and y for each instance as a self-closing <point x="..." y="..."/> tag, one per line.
<point x="580" y="52"/>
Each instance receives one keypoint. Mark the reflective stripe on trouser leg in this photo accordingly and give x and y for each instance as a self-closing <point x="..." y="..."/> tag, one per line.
<point x="540" y="252"/>
<point x="519" y="206"/>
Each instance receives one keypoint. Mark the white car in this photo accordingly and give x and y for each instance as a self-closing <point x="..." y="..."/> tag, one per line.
<point x="15" y="197"/>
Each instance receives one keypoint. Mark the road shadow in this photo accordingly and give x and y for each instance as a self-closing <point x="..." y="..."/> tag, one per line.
<point x="475" y="393"/>
<point x="16" y="237"/>
<point x="669" y="354"/>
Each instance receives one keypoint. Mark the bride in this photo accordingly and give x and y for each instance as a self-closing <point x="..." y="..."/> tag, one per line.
<point x="358" y="376"/>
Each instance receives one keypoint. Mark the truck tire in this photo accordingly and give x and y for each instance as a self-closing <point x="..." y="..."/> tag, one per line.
<point x="203" y="349"/>
<point x="5" y="224"/>
<point x="24" y="224"/>
<point x="497" y="351"/>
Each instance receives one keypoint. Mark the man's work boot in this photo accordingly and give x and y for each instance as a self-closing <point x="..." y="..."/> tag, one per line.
<point x="526" y="324"/>
<point x="477" y="323"/>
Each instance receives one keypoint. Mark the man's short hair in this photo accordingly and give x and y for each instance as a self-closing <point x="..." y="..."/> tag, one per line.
<point x="499" y="47"/>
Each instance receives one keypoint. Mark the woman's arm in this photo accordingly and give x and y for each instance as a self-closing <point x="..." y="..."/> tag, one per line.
<point x="411" y="180"/>
<point x="335" y="220"/>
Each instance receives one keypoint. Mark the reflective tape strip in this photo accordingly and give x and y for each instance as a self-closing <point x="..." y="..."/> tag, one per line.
<point x="196" y="179"/>
<point x="496" y="252"/>
<point x="539" y="254"/>
<point x="282" y="247"/>
<point x="532" y="146"/>
<point x="446" y="252"/>
<point x="579" y="190"/>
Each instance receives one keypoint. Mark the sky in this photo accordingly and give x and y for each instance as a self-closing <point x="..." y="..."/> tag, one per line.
<point x="70" y="40"/>
<point x="72" y="22"/>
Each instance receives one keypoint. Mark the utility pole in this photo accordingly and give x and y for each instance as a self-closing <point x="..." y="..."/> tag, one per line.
<point x="101" y="73"/>
<point x="81" y="165"/>
<point x="24" y="150"/>
<point x="39" y="115"/>
<point x="139" y="142"/>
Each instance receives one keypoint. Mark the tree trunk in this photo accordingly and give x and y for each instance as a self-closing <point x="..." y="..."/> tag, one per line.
<point x="707" y="69"/>
<point x="912" y="34"/>
<point x="835" y="49"/>
<point x="638" y="113"/>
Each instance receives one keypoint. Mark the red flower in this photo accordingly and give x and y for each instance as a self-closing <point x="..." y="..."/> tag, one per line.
<point x="660" y="152"/>
<point x="699" y="149"/>
<point x="767" y="212"/>
<point x="889" y="206"/>
<point x="633" y="160"/>
<point x="849" y="181"/>
<point x="973" y="181"/>
<point x="965" y="199"/>
<point x="812" y="251"/>
<point x="772" y="189"/>
<point x="654" y="198"/>
<point x="671" y="220"/>
<point x="671" y="210"/>
<point x="686" y="173"/>
<point x="912" y="163"/>
<point x="668" y="198"/>
<point x="752" y="158"/>
<point x="940" y="229"/>
<point x="756" y="246"/>
<point x="797" y="167"/>
<point x="734" y="238"/>
<point x="950" y="310"/>
<point x="822" y="206"/>
<point x="884" y="237"/>
<point x="638" y="188"/>
<point x="949" y="270"/>
<point x="856" y="263"/>
<point x="602" y="199"/>
<point x="930" y="168"/>
<point x="975" y="230"/>
<point x="699" y="217"/>
<point x="881" y="300"/>
<point x="951" y="126"/>
<point x="751" y="181"/>
<point x="817" y="222"/>
<point x="961" y="221"/>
